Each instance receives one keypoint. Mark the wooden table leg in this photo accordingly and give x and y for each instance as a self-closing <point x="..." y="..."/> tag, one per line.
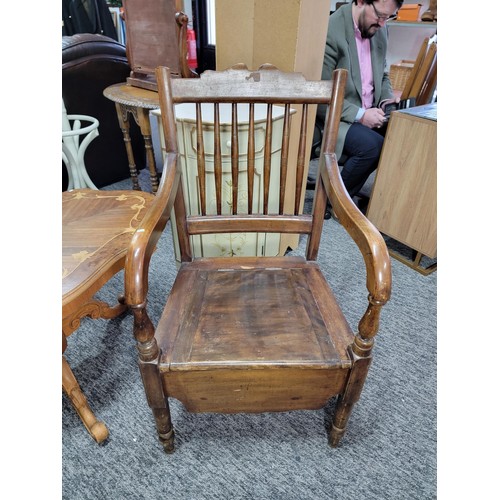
<point x="122" y="112"/>
<point x="96" y="428"/>
<point x="414" y="262"/>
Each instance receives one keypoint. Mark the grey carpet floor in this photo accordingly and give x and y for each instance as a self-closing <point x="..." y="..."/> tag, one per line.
<point x="388" y="451"/>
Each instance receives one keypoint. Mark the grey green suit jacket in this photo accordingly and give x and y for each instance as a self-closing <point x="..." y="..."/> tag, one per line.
<point x="341" y="52"/>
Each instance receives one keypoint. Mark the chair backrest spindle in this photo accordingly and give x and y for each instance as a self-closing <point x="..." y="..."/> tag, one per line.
<point x="217" y="160"/>
<point x="301" y="158"/>
<point x="251" y="155"/>
<point x="267" y="156"/>
<point x="234" y="156"/>
<point x="201" y="159"/>
<point x="285" y="146"/>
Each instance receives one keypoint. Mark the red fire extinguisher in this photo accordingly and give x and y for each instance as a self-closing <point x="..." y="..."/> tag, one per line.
<point x="191" y="42"/>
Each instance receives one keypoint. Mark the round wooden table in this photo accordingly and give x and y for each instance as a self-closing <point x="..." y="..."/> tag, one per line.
<point x="137" y="102"/>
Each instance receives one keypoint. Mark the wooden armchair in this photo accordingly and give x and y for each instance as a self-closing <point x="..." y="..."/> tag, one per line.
<point x="252" y="334"/>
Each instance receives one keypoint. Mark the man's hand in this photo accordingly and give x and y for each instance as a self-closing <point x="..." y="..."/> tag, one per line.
<point x="373" y="118"/>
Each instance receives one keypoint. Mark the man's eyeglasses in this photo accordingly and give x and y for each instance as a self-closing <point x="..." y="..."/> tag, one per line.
<point x="383" y="17"/>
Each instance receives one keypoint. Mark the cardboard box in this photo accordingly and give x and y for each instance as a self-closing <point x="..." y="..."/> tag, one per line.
<point x="409" y="12"/>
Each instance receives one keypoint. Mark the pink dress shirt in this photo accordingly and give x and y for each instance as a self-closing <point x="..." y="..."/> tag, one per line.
<point x="365" y="66"/>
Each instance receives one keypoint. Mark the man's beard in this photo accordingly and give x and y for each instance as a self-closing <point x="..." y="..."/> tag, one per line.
<point x="365" y="30"/>
<point x="366" y="33"/>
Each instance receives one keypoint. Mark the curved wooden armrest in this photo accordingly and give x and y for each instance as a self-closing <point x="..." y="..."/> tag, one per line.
<point x="363" y="232"/>
<point x="148" y="233"/>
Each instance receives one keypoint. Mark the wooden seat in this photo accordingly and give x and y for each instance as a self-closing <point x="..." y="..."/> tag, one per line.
<point x="97" y="227"/>
<point x="253" y="334"/>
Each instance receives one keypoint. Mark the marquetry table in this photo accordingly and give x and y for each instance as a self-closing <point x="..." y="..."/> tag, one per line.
<point x="97" y="227"/>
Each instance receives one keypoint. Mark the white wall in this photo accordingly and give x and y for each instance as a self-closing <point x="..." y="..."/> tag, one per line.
<point x="405" y="41"/>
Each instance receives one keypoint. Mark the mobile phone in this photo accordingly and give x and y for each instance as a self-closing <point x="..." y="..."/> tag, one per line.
<point x="390" y="108"/>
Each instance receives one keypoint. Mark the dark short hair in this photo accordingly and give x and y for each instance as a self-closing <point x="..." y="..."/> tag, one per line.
<point x="399" y="3"/>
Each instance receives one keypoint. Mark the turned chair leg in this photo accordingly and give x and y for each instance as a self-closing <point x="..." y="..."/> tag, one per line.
<point x="149" y="358"/>
<point x="158" y="404"/>
<point x="347" y="399"/>
<point x="339" y="423"/>
<point x="360" y="352"/>
<point x="165" y="429"/>
<point x="95" y="427"/>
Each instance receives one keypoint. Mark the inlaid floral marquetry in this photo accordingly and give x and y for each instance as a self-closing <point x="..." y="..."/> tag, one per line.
<point x="94" y="225"/>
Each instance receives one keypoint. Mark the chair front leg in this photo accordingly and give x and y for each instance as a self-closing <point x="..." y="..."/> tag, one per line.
<point x="360" y="352"/>
<point x="149" y="356"/>
<point x="348" y="398"/>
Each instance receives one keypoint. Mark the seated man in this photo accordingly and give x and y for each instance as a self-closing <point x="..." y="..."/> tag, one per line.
<point x="357" y="41"/>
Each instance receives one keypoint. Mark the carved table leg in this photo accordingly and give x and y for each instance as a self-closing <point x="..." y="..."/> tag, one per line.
<point x="122" y="113"/>
<point x="145" y="126"/>
<point x="96" y="428"/>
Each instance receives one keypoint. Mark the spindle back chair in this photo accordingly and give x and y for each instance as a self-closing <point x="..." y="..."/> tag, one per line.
<point x="252" y="333"/>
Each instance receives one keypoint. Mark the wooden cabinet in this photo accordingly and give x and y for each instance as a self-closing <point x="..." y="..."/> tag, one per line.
<point x="240" y="244"/>
<point x="403" y="203"/>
